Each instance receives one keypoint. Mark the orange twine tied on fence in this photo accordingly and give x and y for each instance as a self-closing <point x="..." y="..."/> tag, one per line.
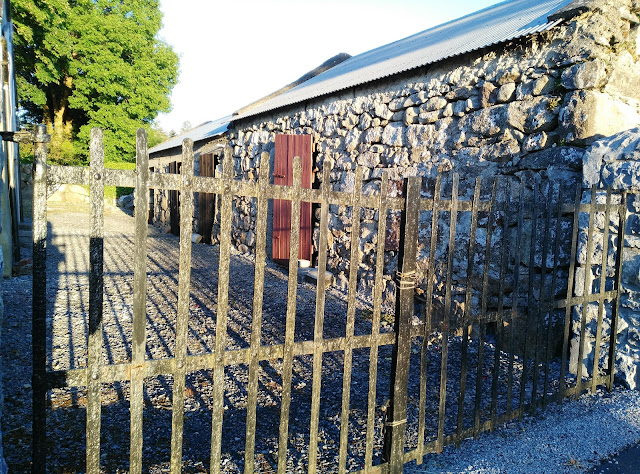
<point x="391" y="424"/>
<point x="406" y="281"/>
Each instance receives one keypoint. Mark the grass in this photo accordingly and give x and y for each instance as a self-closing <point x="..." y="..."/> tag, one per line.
<point x="114" y="192"/>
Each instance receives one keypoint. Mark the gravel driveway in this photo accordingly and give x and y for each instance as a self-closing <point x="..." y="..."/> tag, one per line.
<point x="67" y="284"/>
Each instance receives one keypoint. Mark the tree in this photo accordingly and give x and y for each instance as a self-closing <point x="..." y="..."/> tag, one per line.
<point x="155" y="136"/>
<point x="92" y="63"/>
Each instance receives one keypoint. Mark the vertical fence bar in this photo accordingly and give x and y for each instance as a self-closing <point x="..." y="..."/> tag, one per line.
<point x="570" y="291"/>
<point x="375" y="319"/>
<point x="139" y="338"/>
<point x="541" y="298"/>
<point x="554" y="280"/>
<point x="287" y="362"/>
<point x="615" y="311"/>
<point x="504" y="255"/>
<point x="39" y="325"/>
<point x="256" y="323"/>
<point x="394" y="432"/>
<point x="483" y="311"/>
<point x="530" y="302"/>
<point x="603" y="283"/>
<point x="424" y="361"/>
<point x="446" y="323"/>
<point x="319" y="320"/>
<point x="94" y="344"/>
<point x="351" y="316"/>
<point x="467" y="311"/>
<point x="221" y="316"/>
<point x="515" y="316"/>
<point x="182" y="319"/>
<point x="586" y="294"/>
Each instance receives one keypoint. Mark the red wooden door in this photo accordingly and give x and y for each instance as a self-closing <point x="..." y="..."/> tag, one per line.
<point x="287" y="147"/>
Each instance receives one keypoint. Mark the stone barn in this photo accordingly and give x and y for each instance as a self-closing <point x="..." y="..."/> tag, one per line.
<point x="209" y="140"/>
<point x="517" y="90"/>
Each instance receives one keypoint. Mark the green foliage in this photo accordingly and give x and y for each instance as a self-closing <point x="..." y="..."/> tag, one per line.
<point x="114" y="192"/>
<point x="155" y="136"/>
<point x="92" y="63"/>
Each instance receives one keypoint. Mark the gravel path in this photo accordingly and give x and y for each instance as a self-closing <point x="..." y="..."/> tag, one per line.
<point x="68" y="307"/>
<point x="568" y="438"/>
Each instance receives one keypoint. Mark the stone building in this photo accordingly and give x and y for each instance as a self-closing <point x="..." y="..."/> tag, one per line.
<point x="209" y="139"/>
<point x="516" y="91"/>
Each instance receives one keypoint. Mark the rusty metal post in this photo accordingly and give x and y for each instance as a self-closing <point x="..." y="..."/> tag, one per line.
<point x="39" y="325"/>
<point x="396" y="421"/>
<point x="39" y="139"/>
<point x="139" y="338"/>
<point x="96" y="291"/>
<point x="615" y="312"/>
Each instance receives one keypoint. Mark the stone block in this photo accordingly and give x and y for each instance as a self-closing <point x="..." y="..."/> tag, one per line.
<point x="365" y="121"/>
<point x="352" y="140"/>
<point x="411" y="115"/>
<point x="487" y="122"/>
<point x="372" y="135"/>
<point x="624" y="78"/>
<point x="382" y="111"/>
<point x="532" y="115"/>
<point x="430" y="117"/>
<point x="569" y="157"/>
<point x="369" y="160"/>
<point x="435" y="103"/>
<point x="393" y="134"/>
<point x="458" y="93"/>
<point x="543" y="85"/>
<point x="506" y="93"/>
<point x="627" y="365"/>
<point x="587" y="75"/>
<point x="589" y="115"/>
<point x="621" y="175"/>
<point x="397" y="104"/>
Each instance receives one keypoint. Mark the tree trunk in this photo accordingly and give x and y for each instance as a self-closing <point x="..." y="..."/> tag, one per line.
<point x="58" y="123"/>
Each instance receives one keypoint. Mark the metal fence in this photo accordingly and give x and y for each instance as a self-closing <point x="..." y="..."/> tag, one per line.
<point x="490" y="321"/>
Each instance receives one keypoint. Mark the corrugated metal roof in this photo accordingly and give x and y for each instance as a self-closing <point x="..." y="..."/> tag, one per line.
<point x="502" y="22"/>
<point x="209" y="129"/>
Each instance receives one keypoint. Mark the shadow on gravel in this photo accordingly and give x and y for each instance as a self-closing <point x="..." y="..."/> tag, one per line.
<point x="67" y="349"/>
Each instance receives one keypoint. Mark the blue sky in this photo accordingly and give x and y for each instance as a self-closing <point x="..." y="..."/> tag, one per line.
<point x="234" y="52"/>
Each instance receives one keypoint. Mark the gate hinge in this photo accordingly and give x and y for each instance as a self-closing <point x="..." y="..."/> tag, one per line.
<point x="25" y="136"/>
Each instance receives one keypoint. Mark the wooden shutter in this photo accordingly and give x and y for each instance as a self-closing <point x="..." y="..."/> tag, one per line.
<point x="287" y="147"/>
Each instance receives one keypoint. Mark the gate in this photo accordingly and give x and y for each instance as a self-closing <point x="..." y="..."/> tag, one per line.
<point x="489" y="293"/>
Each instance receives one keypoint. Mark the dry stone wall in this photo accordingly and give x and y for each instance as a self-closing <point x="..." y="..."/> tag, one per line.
<point x="613" y="162"/>
<point x="523" y="111"/>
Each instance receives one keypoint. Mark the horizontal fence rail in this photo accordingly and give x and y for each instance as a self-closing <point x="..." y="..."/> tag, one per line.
<point x="490" y="320"/>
